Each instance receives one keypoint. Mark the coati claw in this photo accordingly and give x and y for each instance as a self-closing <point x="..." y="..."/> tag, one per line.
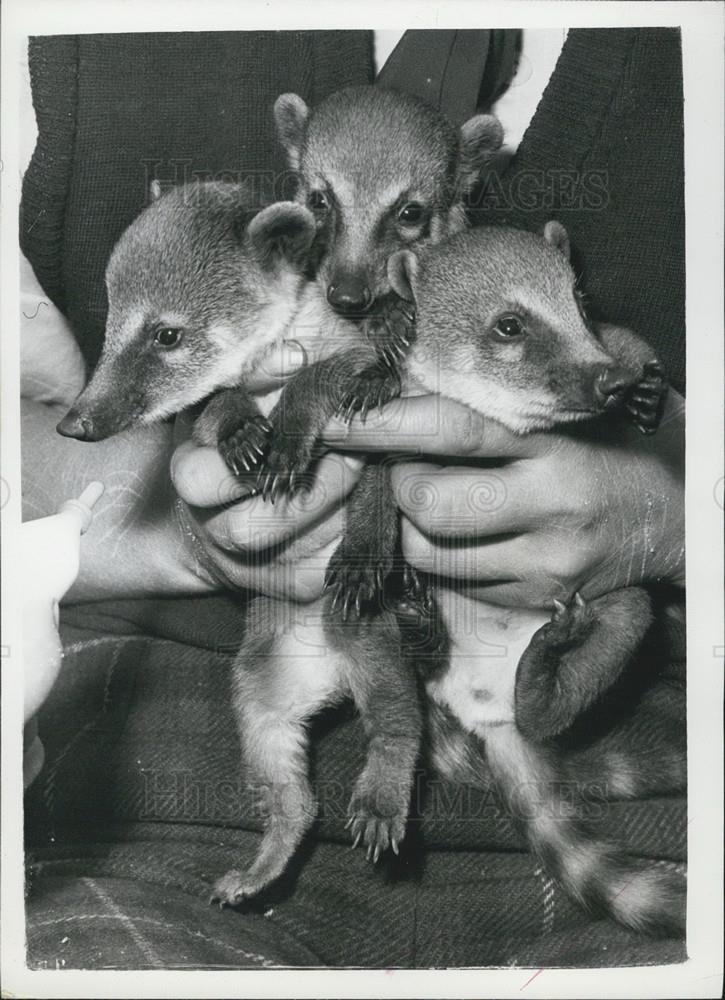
<point x="415" y="590"/>
<point x="567" y="624"/>
<point x="244" y="446"/>
<point x="378" y="822"/>
<point x="375" y="386"/>
<point x="645" y="400"/>
<point x="235" y="886"/>
<point x="355" y="583"/>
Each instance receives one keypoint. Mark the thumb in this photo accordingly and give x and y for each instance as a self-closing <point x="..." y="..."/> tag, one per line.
<point x="281" y="362"/>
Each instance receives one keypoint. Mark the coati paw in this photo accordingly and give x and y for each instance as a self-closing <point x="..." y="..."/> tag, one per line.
<point x="416" y="591"/>
<point x="286" y="467"/>
<point x="377" y="823"/>
<point x="234" y="887"/>
<point x="244" y="448"/>
<point x="354" y="580"/>
<point x="645" y="400"/>
<point x="391" y="329"/>
<point x="569" y="625"/>
<point x="375" y="386"/>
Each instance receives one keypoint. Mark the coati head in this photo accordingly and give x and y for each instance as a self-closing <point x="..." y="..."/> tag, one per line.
<point x="500" y="327"/>
<point x="199" y="287"/>
<point x="380" y="171"/>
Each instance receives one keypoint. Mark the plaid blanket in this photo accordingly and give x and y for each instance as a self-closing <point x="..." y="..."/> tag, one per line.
<point x="143" y="802"/>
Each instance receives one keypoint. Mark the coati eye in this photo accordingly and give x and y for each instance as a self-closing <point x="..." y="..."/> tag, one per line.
<point x="317" y="201"/>
<point x="411" y="214"/>
<point x="167" y="336"/>
<point x="508" y="328"/>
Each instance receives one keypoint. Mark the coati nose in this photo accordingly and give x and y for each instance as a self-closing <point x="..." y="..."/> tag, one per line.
<point x="610" y="384"/>
<point x="74" y="425"/>
<point x="349" y="295"/>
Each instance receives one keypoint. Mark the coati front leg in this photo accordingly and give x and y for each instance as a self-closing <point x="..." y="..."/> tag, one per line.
<point x="363" y="560"/>
<point x="309" y="400"/>
<point x="644" y="400"/>
<point x="390" y="328"/>
<point x="577" y="656"/>
<point x="231" y="422"/>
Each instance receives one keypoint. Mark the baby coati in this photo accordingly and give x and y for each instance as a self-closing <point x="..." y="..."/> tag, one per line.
<point x="380" y="170"/>
<point x="199" y="289"/>
<point x="500" y="327"/>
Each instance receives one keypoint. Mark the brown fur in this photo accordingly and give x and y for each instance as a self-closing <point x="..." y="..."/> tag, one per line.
<point x="370" y="152"/>
<point x="198" y="260"/>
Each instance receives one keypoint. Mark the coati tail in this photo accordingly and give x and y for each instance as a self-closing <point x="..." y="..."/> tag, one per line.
<point x="596" y="874"/>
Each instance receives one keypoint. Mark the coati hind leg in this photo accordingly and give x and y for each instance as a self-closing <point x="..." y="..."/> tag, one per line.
<point x="575" y="657"/>
<point x="281" y="678"/>
<point x="385" y="691"/>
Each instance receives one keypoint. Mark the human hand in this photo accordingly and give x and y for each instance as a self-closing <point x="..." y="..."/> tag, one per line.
<point x="521" y="520"/>
<point x="239" y="540"/>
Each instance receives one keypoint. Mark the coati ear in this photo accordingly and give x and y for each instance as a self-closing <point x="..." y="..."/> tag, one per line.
<point x="481" y="137"/>
<point x="284" y="230"/>
<point x="557" y="237"/>
<point x="290" y="116"/>
<point x="155" y="190"/>
<point x="403" y="273"/>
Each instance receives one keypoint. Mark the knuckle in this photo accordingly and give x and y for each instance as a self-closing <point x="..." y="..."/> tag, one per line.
<point x="568" y="564"/>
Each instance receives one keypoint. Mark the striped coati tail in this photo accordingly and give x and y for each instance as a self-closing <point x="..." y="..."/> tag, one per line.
<point x="594" y="873"/>
<point x="454" y="753"/>
<point x="618" y="765"/>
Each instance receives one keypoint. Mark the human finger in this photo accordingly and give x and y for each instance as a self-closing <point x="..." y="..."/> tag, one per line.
<point x="461" y="502"/>
<point x="433" y="425"/>
<point x="540" y="559"/>
<point x="256" y="524"/>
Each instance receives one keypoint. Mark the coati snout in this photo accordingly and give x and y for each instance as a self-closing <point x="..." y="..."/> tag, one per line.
<point x="500" y="327"/>
<point x="380" y="171"/>
<point x="199" y="287"/>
